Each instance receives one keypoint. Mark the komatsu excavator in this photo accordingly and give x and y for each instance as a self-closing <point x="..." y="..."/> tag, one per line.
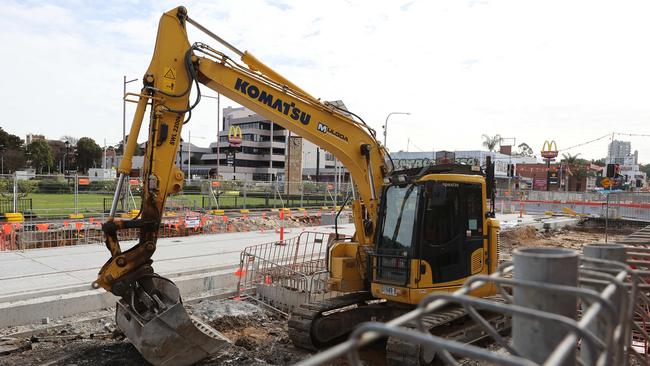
<point x="417" y="231"/>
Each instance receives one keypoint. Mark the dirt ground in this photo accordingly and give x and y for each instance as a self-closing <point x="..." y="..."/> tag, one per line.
<point x="570" y="238"/>
<point x="259" y="336"/>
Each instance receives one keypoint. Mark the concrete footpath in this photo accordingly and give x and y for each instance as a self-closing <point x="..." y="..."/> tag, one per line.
<point x="55" y="282"/>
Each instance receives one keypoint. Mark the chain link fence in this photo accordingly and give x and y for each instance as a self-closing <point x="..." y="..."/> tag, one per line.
<point x="612" y="205"/>
<point x="58" y="196"/>
<point x="34" y="234"/>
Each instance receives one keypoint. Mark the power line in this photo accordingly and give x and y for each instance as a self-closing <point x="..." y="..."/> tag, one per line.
<point x="585" y="143"/>
<point x="604" y="136"/>
<point x="417" y="147"/>
<point x="632" y="134"/>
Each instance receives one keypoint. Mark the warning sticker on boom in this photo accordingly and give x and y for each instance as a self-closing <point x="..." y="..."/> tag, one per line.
<point x="169" y="79"/>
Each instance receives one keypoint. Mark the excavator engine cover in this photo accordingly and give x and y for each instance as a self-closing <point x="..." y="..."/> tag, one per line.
<point x="166" y="336"/>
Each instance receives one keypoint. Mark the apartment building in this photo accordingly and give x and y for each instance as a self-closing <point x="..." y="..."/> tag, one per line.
<point x="263" y="152"/>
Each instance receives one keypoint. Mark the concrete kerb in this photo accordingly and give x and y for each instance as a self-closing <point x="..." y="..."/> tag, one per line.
<point x="80" y="299"/>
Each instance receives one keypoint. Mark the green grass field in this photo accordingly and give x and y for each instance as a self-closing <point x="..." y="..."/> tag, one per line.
<point x="44" y="204"/>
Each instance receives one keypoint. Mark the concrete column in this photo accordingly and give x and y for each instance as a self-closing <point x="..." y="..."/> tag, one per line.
<point x="616" y="253"/>
<point x="535" y="339"/>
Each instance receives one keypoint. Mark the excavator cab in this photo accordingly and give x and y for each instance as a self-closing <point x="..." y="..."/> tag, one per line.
<point x="432" y="232"/>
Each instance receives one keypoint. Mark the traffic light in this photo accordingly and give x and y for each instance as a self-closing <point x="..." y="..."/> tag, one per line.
<point x="610" y="170"/>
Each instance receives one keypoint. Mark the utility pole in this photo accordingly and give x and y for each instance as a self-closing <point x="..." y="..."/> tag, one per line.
<point x="271" y="154"/>
<point x="287" y="167"/>
<point x="317" y="163"/>
<point x="218" y="98"/>
<point x="189" y="155"/>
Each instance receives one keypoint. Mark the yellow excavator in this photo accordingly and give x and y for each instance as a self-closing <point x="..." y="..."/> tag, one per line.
<point x="417" y="231"/>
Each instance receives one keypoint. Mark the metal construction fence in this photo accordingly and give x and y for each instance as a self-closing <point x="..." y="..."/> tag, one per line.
<point x="60" y="196"/>
<point x="285" y="274"/>
<point x="33" y="234"/>
<point x="614" y="205"/>
<point x="541" y="288"/>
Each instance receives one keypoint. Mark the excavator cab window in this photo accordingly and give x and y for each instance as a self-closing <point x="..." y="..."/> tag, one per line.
<point x="393" y="251"/>
<point x="399" y="214"/>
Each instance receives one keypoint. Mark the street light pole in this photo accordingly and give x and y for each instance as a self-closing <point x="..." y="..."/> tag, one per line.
<point x="386" y="123"/>
<point x="65" y="156"/>
<point x="189" y="154"/>
<point x="218" y="98"/>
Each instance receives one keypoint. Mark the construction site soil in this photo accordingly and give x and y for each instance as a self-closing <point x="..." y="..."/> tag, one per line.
<point x="259" y="336"/>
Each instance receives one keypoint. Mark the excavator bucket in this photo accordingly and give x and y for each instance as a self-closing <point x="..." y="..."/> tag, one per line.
<point x="158" y="325"/>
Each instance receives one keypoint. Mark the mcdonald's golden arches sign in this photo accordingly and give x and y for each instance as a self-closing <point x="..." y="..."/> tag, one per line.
<point x="549" y="149"/>
<point x="234" y="135"/>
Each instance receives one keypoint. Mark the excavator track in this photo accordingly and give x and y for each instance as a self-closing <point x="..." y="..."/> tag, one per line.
<point x="318" y="325"/>
<point x="451" y="322"/>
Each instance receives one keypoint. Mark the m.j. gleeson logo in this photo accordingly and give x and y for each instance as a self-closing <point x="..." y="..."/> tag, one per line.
<point x="288" y="109"/>
<point x="326" y="129"/>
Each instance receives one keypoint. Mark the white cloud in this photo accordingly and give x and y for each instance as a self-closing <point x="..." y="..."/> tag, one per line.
<point x="569" y="71"/>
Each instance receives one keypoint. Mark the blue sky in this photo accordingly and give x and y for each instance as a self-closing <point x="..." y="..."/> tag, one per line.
<point x="534" y="70"/>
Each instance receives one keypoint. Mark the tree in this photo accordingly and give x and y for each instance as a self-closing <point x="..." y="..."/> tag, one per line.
<point x="9" y="141"/>
<point x="645" y="168"/>
<point x="137" y="152"/>
<point x="579" y="168"/>
<point x="570" y="159"/>
<point x="12" y="152"/>
<point x="89" y="154"/>
<point x="71" y="139"/>
<point x="491" y="142"/>
<point x="13" y="159"/>
<point x="39" y="155"/>
<point x="524" y="150"/>
<point x="599" y="162"/>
